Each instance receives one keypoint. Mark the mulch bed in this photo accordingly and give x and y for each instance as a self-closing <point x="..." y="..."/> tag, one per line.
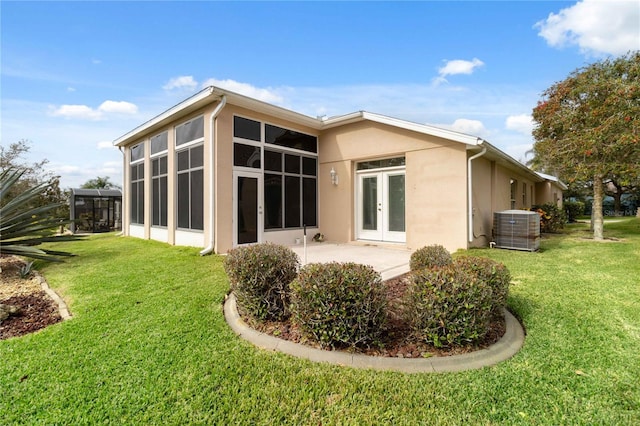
<point x="399" y="341"/>
<point x="36" y="309"/>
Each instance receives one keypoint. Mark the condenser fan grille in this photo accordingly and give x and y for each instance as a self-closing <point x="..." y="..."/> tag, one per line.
<point x="517" y="229"/>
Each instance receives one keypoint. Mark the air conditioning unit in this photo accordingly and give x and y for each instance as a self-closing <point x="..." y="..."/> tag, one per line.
<point x="517" y="229"/>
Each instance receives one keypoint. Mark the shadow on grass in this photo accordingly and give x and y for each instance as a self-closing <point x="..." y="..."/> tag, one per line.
<point x="521" y="308"/>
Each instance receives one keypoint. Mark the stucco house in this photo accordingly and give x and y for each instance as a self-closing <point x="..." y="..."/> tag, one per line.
<point x="220" y="170"/>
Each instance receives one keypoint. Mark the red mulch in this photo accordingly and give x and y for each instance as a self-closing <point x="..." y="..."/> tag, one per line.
<point x="399" y="342"/>
<point x="37" y="311"/>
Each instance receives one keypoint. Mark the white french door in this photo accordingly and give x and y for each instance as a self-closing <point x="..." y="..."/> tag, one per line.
<point x="381" y="206"/>
<point x="247" y="208"/>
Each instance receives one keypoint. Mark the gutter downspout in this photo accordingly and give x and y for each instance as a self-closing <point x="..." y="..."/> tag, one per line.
<point x="124" y="179"/>
<point x="214" y="115"/>
<point x="470" y="190"/>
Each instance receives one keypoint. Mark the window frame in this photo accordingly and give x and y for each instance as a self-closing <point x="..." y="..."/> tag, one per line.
<point x="139" y="183"/>
<point x="283" y="151"/>
<point x="190" y="171"/>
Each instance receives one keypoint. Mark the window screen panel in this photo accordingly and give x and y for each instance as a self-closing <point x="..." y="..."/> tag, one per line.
<point x="292" y="202"/>
<point x="246" y="129"/>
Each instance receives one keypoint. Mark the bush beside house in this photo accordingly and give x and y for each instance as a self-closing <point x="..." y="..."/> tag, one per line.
<point x="448" y="302"/>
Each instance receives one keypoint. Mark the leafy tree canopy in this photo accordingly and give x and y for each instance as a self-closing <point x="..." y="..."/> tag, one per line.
<point x="588" y="126"/>
<point x="32" y="175"/>
<point x="101" y="182"/>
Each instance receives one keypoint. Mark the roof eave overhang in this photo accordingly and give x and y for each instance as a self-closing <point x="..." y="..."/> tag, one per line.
<point x="407" y="125"/>
<point x="193" y="103"/>
<point x="207" y="96"/>
<point x="509" y="162"/>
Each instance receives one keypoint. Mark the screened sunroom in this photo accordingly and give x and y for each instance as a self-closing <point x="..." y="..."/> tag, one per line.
<point x="95" y="210"/>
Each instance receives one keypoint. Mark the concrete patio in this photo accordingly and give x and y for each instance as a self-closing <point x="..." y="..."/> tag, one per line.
<point x="387" y="260"/>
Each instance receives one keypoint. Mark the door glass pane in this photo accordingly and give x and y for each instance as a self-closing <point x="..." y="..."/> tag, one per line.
<point x="396" y="203"/>
<point x="370" y="203"/>
<point x="247" y="210"/>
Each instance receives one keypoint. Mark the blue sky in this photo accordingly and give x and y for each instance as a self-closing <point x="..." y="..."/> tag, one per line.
<point x="77" y="75"/>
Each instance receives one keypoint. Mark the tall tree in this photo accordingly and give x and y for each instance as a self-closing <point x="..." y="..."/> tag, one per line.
<point x="101" y="182"/>
<point x="588" y="126"/>
<point x="32" y="175"/>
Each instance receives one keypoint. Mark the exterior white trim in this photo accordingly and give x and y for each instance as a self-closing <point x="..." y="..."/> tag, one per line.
<point x="407" y="125"/>
<point x="159" y="234"/>
<point x="189" y="238"/>
<point x="158" y="121"/>
<point x="553" y="179"/>
<point x="136" y="230"/>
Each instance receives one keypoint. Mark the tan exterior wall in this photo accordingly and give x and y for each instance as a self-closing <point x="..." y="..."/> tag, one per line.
<point x="435" y="213"/>
<point x="435" y="184"/>
<point x="483" y="200"/>
<point x="223" y="179"/>
<point x="437" y="197"/>
<point x="549" y="192"/>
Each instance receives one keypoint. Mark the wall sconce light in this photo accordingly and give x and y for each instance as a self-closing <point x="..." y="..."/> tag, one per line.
<point x="334" y="177"/>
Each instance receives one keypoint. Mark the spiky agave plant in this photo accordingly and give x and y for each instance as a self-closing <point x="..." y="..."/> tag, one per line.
<point x="25" y="225"/>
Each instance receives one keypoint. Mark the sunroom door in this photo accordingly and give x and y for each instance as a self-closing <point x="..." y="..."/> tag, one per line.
<point x="247" y="208"/>
<point x="381" y="206"/>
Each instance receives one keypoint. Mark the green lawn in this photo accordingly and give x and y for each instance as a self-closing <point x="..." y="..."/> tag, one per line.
<point x="148" y="344"/>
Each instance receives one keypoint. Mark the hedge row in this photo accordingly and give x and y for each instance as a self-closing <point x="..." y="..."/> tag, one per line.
<point x="450" y="302"/>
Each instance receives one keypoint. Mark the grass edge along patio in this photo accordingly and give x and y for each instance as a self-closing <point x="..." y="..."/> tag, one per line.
<point x="220" y="169"/>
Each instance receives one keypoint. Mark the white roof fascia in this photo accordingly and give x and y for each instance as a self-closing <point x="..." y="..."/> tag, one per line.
<point x="553" y="179"/>
<point x="403" y="124"/>
<point x="511" y="161"/>
<point x="198" y="97"/>
<point x="232" y="98"/>
<point x="266" y="108"/>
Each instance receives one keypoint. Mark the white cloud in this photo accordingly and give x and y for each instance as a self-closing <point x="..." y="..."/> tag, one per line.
<point x="460" y="66"/>
<point x="119" y="107"/>
<point x="596" y="26"/>
<point x="472" y="127"/>
<point x="105" y="145"/>
<point x="457" y="66"/>
<point x="87" y="113"/>
<point x="75" y="111"/>
<point x="71" y="89"/>
<point x="269" y="95"/>
<point x="522" y="123"/>
<point x="466" y="126"/>
<point x="182" y="82"/>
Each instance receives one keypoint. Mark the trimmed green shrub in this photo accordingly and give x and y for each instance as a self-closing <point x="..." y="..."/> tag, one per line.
<point x="340" y="304"/>
<point x="489" y="272"/>
<point x="429" y="257"/>
<point x="573" y="209"/>
<point x="260" y="276"/>
<point x="552" y="219"/>
<point x="449" y="306"/>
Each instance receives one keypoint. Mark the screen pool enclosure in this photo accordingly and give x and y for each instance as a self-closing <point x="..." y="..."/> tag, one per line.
<point x="95" y="210"/>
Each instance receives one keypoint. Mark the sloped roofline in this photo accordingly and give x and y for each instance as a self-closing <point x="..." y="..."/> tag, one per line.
<point x="403" y="124"/>
<point x="553" y="179"/>
<point x="212" y="94"/>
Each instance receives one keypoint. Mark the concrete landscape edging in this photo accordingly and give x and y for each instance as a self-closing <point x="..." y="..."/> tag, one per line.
<point x="62" y="306"/>
<point x="503" y="349"/>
